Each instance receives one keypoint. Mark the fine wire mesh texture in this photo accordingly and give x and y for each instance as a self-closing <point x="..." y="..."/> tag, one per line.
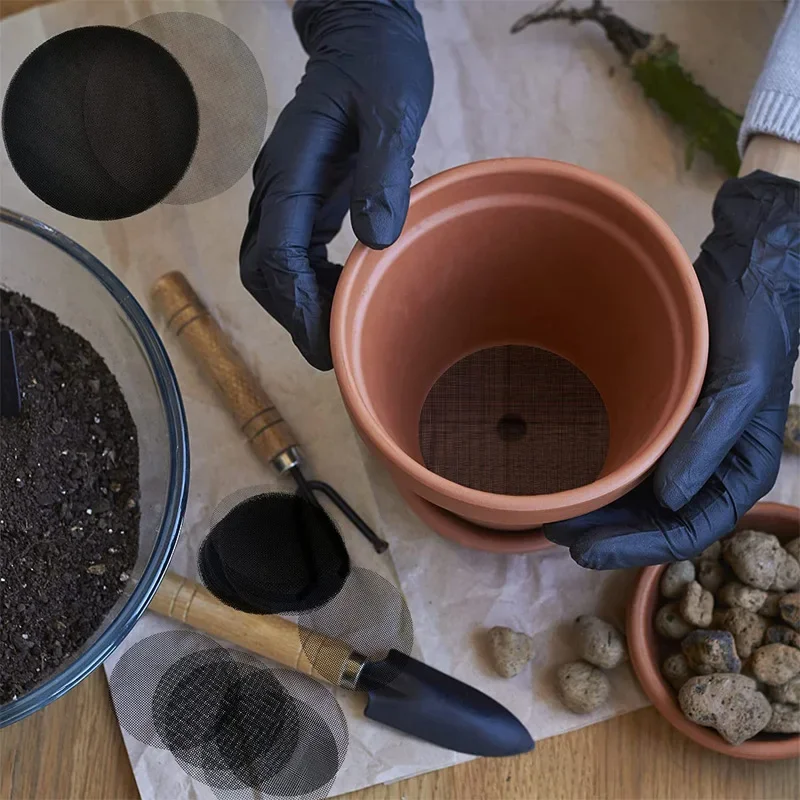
<point x="369" y="615"/>
<point x="514" y="420"/>
<point x="104" y="122"/>
<point x="272" y="552"/>
<point x="100" y="122"/>
<point x="231" y="97"/>
<point x="228" y="720"/>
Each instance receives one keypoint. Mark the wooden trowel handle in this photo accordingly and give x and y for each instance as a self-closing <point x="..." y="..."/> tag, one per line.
<point x="271" y="636"/>
<point x="255" y="414"/>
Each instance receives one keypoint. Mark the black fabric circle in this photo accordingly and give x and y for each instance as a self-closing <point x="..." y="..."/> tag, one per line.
<point x="100" y="122"/>
<point x="273" y="553"/>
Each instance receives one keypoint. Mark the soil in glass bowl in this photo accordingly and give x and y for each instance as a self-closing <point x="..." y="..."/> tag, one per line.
<point x="69" y="497"/>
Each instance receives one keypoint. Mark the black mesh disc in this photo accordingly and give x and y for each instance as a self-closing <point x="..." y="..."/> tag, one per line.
<point x="228" y="720"/>
<point x="369" y="615"/>
<point x="100" y="122"/>
<point x="272" y="553"/>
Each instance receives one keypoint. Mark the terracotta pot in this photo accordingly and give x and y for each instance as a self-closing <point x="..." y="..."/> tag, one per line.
<point x="530" y="252"/>
<point x="643" y="644"/>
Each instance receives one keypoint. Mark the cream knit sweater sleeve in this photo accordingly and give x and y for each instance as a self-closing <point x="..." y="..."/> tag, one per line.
<point x="774" y="106"/>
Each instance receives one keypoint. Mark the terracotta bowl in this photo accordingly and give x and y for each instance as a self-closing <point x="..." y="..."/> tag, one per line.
<point x="643" y="643"/>
<point x="529" y="252"/>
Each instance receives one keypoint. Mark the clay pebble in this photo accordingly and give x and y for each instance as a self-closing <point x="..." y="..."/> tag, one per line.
<point x="788" y="692"/>
<point x="510" y="650"/>
<point x="582" y="687"/>
<point x="785" y="718"/>
<point x="711" y="651"/>
<point x="600" y="643"/>
<point x="754" y="557"/>
<point x="710" y="575"/>
<point x="676" y="670"/>
<point x="712" y="553"/>
<point x="782" y="634"/>
<point x="771" y="607"/>
<point x="676" y="578"/>
<point x="738" y="595"/>
<point x="697" y="605"/>
<point x="729" y="703"/>
<point x="793" y="548"/>
<point x="789" y="607"/>
<point x="747" y="629"/>
<point x="775" y="664"/>
<point x="670" y="624"/>
<point x="787" y="577"/>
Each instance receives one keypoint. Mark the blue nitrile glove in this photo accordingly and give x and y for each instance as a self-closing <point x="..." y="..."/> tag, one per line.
<point x="346" y="140"/>
<point x="726" y="456"/>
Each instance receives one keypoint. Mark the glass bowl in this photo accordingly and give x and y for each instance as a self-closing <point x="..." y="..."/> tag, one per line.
<point x="59" y="275"/>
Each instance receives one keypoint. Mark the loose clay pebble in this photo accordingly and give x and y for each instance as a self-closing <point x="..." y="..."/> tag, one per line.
<point x="675" y="579"/>
<point x="729" y="703"/>
<point x="676" y="670"/>
<point x="582" y="687"/>
<point x="788" y="692"/>
<point x="753" y="556"/>
<point x="791" y="432"/>
<point x="789" y="607"/>
<point x="747" y="629"/>
<point x="793" y="548"/>
<point x="710" y="574"/>
<point x="788" y="575"/>
<point x="697" y="605"/>
<point x="771" y="606"/>
<point x="775" y="664"/>
<point x="782" y="634"/>
<point x="785" y="718"/>
<point x="737" y="595"/>
<point x="510" y="650"/>
<point x="711" y="651"/>
<point x="718" y="618"/>
<point x="599" y="643"/>
<point x="670" y="623"/>
<point x="712" y="553"/>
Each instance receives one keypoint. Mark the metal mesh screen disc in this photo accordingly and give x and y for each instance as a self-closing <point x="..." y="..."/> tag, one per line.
<point x="514" y="420"/>
<point x="369" y="615"/>
<point x="103" y="122"/>
<point x="231" y="97"/>
<point x="230" y="721"/>
<point x="100" y="122"/>
<point x="272" y="552"/>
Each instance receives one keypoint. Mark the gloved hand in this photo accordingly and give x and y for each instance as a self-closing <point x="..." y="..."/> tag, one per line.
<point x="726" y="456"/>
<point x="347" y="139"/>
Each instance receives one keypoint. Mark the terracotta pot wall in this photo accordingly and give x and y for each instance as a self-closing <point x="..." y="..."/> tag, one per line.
<point x="529" y="259"/>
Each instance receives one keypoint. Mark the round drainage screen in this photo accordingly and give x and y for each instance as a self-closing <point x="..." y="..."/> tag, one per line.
<point x="514" y="420"/>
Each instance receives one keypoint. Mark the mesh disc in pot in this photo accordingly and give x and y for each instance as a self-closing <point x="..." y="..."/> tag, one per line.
<point x="514" y="420"/>
<point x="230" y="721"/>
<point x="272" y="552"/>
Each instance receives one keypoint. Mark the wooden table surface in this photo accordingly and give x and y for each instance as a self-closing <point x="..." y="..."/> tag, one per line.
<point x="73" y="749"/>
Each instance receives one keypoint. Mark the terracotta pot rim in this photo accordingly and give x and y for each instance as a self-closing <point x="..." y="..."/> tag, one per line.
<point x="661" y="694"/>
<point x="627" y="474"/>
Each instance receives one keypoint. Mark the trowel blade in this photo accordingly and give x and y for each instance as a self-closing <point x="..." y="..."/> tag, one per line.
<point x="419" y="700"/>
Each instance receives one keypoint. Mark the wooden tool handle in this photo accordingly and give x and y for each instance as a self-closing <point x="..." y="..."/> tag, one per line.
<point x="271" y="636"/>
<point x="256" y="415"/>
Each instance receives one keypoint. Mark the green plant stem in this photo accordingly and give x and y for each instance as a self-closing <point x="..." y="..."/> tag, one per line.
<point x="654" y="64"/>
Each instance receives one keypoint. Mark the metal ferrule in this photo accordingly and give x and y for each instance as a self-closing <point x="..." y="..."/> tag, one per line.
<point x="286" y="460"/>
<point x="351" y="671"/>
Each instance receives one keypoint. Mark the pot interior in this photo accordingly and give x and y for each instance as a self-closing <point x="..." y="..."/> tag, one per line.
<point x="552" y="261"/>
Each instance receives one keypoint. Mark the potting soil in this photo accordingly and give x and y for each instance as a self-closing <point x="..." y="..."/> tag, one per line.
<point x="69" y="497"/>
